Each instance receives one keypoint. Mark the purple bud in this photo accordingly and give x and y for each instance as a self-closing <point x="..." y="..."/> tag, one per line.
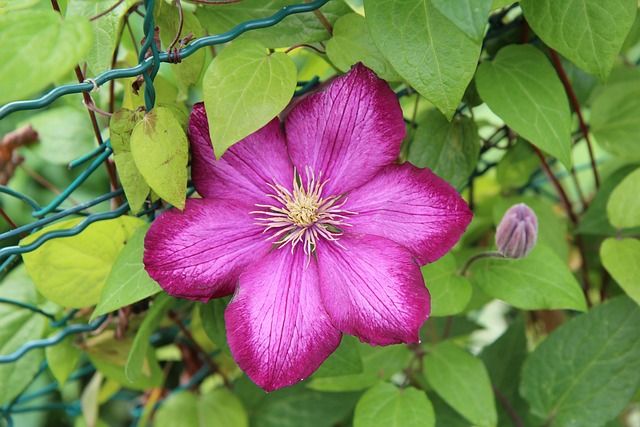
<point x="517" y="232"/>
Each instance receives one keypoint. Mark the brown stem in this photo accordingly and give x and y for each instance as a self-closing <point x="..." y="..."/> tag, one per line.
<point x="586" y="285"/>
<point x="576" y="106"/>
<point x="507" y="405"/>
<point x="101" y="14"/>
<point x="181" y="18"/>
<point x="94" y="123"/>
<point x="208" y="360"/>
<point x="11" y="223"/>
<point x="296" y="46"/>
<point x="214" y="2"/>
<point x="323" y="20"/>
<point x="556" y="185"/>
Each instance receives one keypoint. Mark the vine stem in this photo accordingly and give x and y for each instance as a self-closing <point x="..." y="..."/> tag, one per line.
<point x="490" y="254"/>
<point x="576" y="106"/>
<point x="507" y="405"/>
<point x="556" y="184"/>
<point x="586" y="285"/>
<point x="111" y="171"/>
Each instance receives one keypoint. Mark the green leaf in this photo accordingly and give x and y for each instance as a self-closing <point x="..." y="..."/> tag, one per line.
<point x="539" y="281"/>
<point x="588" y="369"/>
<point x="345" y="360"/>
<point x="62" y="359"/>
<point x="522" y="87"/>
<point x="614" y="114"/>
<point x="595" y="219"/>
<point x="109" y="356"/>
<point x="462" y="381"/>
<point x="128" y="281"/>
<point x="301" y="407"/>
<point x="215" y="408"/>
<point x="121" y="126"/>
<point x="450" y="293"/>
<point x="446" y="416"/>
<point x="38" y="49"/>
<point x="135" y="361"/>
<point x="105" y="30"/>
<point x="188" y="70"/>
<point x="428" y="43"/>
<point x="385" y="405"/>
<point x="222" y="408"/>
<point x="244" y="88"/>
<point x="620" y="258"/>
<point x="469" y="16"/>
<point x="379" y="363"/>
<point x="294" y="29"/>
<point x="18" y="326"/>
<point x="178" y="410"/>
<point x="212" y="316"/>
<point x="352" y="43"/>
<point x="449" y="149"/>
<point x="582" y="30"/>
<point x="503" y="360"/>
<point x="7" y="6"/>
<point x="623" y="207"/>
<point x="160" y="150"/>
<point x="514" y="170"/>
<point x="71" y="271"/>
<point x="61" y="144"/>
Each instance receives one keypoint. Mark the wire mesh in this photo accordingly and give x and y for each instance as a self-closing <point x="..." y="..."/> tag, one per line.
<point x="63" y="327"/>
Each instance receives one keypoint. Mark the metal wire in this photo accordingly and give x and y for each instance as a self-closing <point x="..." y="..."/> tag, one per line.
<point x="149" y="59"/>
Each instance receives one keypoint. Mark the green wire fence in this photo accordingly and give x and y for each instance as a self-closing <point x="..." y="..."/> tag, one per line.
<point x="10" y="255"/>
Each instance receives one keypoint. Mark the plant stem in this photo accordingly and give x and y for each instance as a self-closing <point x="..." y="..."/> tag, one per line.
<point x="507" y="405"/>
<point x="490" y="254"/>
<point x="576" y="106"/>
<point x="557" y="186"/>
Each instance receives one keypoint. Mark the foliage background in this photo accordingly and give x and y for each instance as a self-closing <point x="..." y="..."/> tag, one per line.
<point x="532" y="102"/>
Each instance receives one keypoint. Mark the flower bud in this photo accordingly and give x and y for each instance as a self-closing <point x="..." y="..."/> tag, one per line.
<point x="517" y="232"/>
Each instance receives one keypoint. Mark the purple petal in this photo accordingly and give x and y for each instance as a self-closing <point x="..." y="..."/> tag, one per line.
<point x="277" y="329"/>
<point x="373" y="289"/>
<point x="413" y="207"/>
<point x="244" y="170"/>
<point x="347" y="132"/>
<point x="200" y="253"/>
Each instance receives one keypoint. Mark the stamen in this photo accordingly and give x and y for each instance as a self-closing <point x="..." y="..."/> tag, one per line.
<point x="303" y="215"/>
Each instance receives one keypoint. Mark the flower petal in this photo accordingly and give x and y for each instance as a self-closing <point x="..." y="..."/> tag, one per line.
<point x="347" y="132"/>
<point x="244" y="170"/>
<point x="373" y="289"/>
<point x="200" y="253"/>
<point x="413" y="207"/>
<point x="277" y="329"/>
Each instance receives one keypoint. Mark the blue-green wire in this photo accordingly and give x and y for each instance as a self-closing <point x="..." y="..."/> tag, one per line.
<point x="75" y="184"/>
<point x="71" y="211"/>
<point x="47" y="342"/>
<point x="90" y="155"/>
<point x="10" y="250"/>
<point x="139" y="69"/>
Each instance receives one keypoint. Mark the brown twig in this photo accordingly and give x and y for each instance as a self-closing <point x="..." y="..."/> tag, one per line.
<point x="556" y="184"/>
<point x="323" y="20"/>
<point x="507" y="405"/>
<point x="101" y="14"/>
<point x="296" y="46"/>
<point x="111" y="171"/>
<point x="208" y="360"/>
<point x="181" y="23"/>
<point x="576" y="107"/>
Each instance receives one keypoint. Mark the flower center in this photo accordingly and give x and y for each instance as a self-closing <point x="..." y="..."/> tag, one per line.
<point x="303" y="215"/>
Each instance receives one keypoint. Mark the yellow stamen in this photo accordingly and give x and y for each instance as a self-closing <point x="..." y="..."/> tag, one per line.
<point x="303" y="215"/>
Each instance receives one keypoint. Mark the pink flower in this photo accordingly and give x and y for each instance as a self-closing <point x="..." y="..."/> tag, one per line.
<point x="316" y="230"/>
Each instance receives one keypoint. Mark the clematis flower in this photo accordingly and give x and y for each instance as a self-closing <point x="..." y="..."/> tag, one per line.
<point x="313" y="228"/>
